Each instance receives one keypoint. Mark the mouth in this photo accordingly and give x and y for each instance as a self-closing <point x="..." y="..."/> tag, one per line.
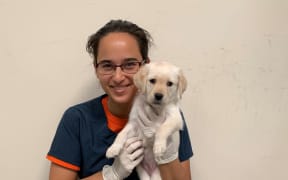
<point x="120" y="88"/>
<point x="155" y="102"/>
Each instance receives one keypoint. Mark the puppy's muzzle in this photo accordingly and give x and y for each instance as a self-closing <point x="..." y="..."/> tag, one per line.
<point x="158" y="98"/>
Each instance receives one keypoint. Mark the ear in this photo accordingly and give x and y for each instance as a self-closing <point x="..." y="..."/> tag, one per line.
<point x="182" y="84"/>
<point x="147" y="61"/>
<point x="140" y="78"/>
<point x="96" y="73"/>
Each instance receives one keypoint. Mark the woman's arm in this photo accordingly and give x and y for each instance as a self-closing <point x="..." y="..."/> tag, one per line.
<point x="176" y="170"/>
<point x="96" y="176"/>
<point x="61" y="173"/>
<point x="169" y="162"/>
<point x="130" y="156"/>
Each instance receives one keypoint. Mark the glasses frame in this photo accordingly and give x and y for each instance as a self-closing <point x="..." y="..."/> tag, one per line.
<point x="121" y="67"/>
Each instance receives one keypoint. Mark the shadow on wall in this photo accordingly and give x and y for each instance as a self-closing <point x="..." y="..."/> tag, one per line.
<point x="44" y="173"/>
<point x="89" y="90"/>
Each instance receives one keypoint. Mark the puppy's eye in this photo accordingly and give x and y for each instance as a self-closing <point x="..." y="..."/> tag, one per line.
<point x="169" y="83"/>
<point x="152" y="81"/>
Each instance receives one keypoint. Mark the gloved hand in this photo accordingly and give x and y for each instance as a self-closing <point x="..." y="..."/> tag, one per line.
<point x="171" y="152"/>
<point x="130" y="156"/>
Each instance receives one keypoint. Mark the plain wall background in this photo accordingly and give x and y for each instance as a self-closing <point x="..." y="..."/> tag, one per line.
<point x="234" y="53"/>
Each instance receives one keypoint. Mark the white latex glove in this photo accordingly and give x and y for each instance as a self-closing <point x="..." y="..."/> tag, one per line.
<point x="130" y="156"/>
<point x="171" y="152"/>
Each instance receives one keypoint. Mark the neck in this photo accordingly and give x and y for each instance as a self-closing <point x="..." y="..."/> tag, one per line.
<point x="119" y="110"/>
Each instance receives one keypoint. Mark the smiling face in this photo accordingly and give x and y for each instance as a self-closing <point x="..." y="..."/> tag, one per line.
<point x="118" y="47"/>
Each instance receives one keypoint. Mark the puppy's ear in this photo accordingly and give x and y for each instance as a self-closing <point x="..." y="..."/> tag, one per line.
<point x="140" y="78"/>
<point x="182" y="84"/>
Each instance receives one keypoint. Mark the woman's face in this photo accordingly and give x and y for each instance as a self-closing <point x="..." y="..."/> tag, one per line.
<point x="117" y="47"/>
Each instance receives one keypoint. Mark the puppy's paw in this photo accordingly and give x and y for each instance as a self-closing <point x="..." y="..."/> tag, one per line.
<point x="159" y="148"/>
<point x="113" y="151"/>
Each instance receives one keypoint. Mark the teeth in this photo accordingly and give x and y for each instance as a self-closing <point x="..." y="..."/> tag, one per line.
<point x="119" y="88"/>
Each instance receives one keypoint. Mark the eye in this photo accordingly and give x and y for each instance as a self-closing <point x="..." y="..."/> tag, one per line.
<point x="106" y="65"/>
<point x="169" y="83"/>
<point x="152" y="81"/>
<point x="130" y="64"/>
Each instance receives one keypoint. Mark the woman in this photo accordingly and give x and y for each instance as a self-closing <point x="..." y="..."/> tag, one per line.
<point x="86" y="130"/>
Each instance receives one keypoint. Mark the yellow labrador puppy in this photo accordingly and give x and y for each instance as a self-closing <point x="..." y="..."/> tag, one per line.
<point x="155" y="115"/>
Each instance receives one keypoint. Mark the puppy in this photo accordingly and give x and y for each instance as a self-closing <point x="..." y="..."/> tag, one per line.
<point x="155" y="114"/>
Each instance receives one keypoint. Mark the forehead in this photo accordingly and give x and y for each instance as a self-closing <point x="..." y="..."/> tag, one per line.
<point x="118" y="45"/>
<point x="163" y="71"/>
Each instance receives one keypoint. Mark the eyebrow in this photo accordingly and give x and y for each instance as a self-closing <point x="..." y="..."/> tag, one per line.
<point x="105" y="61"/>
<point x="130" y="59"/>
<point x="124" y="60"/>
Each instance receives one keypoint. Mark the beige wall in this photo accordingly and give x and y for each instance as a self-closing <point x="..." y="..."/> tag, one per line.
<point x="234" y="53"/>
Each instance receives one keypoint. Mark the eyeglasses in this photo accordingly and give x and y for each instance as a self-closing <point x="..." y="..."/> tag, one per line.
<point x="106" y="67"/>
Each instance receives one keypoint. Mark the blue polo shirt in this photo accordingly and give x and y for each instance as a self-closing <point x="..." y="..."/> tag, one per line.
<point x="86" y="131"/>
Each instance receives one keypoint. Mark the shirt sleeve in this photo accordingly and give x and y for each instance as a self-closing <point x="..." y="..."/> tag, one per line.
<point x="65" y="147"/>
<point x="185" y="148"/>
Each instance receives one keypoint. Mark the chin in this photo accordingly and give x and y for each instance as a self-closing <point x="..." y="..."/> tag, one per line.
<point x="122" y="99"/>
<point x="126" y="98"/>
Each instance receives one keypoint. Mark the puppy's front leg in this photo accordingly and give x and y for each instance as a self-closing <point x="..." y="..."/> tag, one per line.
<point x="172" y="123"/>
<point x="118" y="144"/>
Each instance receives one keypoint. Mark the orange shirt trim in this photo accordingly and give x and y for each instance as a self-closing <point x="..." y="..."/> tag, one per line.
<point x="115" y="123"/>
<point x="62" y="163"/>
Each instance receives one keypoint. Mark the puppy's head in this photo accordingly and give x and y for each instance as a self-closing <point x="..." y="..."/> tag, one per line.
<point x="160" y="82"/>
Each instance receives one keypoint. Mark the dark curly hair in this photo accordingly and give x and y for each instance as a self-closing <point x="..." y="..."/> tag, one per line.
<point x="141" y="35"/>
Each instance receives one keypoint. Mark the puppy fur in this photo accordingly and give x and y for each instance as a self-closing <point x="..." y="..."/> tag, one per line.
<point x="155" y="115"/>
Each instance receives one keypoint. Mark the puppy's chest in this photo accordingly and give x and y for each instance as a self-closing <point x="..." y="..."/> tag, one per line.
<point x="150" y="124"/>
<point x="153" y="119"/>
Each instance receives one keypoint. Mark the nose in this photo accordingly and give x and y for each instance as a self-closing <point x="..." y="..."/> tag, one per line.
<point x="118" y="74"/>
<point x="158" y="96"/>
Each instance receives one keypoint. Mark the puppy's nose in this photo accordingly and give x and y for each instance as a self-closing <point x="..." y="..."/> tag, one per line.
<point x="158" y="96"/>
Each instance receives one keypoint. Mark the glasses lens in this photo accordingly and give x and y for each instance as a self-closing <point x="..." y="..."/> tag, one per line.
<point x="130" y="67"/>
<point x="105" y="68"/>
